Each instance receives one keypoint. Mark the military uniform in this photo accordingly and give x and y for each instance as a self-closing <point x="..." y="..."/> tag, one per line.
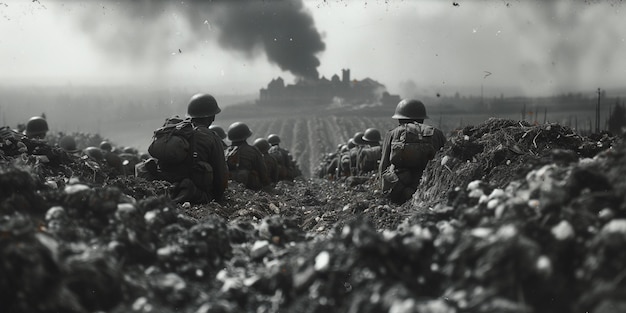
<point x="286" y="167"/>
<point x="204" y="176"/>
<point x="249" y="167"/>
<point x="404" y="179"/>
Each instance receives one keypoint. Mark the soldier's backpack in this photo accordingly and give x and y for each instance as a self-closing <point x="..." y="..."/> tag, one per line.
<point x="172" y="143"/>
<point x="413" y="147"/>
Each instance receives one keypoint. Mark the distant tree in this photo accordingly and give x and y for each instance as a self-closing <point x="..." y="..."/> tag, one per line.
<point x="617" y="119"/>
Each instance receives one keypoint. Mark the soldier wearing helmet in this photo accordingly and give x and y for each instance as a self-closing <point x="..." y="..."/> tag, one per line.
<point x="202" y="175"/>
<point x="270" y="162"/>
<point x="68" y="143"/>
<point x="406" y="150"/>
<point x="36" y="128"/>
<point x="349" y="159"/>
<point x="221" y="133"/>
<point x="287" y="169"/>
<point x="369" y="156"/>
<point x="245" y="162"/>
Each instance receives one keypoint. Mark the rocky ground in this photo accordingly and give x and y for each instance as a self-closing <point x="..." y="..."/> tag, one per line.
<point x="510" y="217"/>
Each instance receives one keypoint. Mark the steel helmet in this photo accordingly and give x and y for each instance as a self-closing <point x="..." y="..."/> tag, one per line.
<point x="36" y="127"/>
<point x="238" y="131"/>
<point x="130" y="150"/>
<point x="202" y="105"/>
<point x="262" y="144"/>
<point x="67" y="143"/>
<point x="372" y="135"/>
<point x="358" y="139"/>
<point x="219" y="131"/>
<point x="94" y="153"/>
<point x="273" y="139"/>
<point x="410" y="110"/>
<point x="351" y="144"/>
<point x="106" y="146"/>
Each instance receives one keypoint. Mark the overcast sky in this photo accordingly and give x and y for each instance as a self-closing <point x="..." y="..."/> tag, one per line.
<point x="515" y="47"/>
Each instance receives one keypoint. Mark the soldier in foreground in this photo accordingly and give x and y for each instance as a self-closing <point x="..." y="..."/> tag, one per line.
<point x="245" y="162"/>
<point x="189" y="155"/>
<point x="406" y="151"/>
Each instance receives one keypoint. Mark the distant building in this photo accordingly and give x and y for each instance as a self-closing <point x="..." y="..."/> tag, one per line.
<point x="323" y="91"/>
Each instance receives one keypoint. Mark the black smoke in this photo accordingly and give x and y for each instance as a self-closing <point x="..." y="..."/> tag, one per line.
<point x="141" y="29"/>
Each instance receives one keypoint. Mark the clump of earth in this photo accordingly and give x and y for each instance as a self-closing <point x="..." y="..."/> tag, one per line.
<point x="509" y="217"/>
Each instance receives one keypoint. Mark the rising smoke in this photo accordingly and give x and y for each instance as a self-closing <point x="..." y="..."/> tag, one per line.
<point x="141" y="29"/>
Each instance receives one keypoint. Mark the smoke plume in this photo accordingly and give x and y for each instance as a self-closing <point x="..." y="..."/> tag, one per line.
<point x="142" y="29"/>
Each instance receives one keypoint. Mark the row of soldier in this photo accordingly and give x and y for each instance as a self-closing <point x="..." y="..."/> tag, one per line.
<point x="359" y="156"/>
<point x="121" y="160"/>
<point x="191" y="154"/>
<point x="199" y="163"/>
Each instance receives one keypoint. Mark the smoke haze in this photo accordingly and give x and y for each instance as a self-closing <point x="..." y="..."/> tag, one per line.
<point x="283" y="30"/>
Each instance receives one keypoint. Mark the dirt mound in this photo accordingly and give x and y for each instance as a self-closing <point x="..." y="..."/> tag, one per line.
<point x="510" y="217"/>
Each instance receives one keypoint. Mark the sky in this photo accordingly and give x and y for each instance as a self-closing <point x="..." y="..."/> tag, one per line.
<point x="511" y="47"/>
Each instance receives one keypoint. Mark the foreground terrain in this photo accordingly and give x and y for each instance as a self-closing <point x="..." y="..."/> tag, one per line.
<point x="510" y="217"/>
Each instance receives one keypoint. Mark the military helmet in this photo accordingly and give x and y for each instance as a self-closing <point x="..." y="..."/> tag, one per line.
<point x="238" y="131"/>
<point x="372" y="135"/>
<point x="351" y="144"/>
<point x="130" y="150"/>
<point x="94" y="153"/>
<point x="262" y="144"/>
<point x="273" y="139"/>
<point x="219" y="131"/>
<point x="410" y="110"/>
<point x="358" y="139"/>
<point x="36" y="126"/>
<point x="106" y="146"/>
<point x="202" y="105"/>
<point x="67" y="143"/>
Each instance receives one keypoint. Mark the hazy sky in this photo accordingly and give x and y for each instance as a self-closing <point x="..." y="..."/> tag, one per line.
<point x="237" y="47"/>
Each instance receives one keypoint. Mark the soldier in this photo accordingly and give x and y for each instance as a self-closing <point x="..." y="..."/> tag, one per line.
<point x="355" y="152"/>
<point x="36" y="128"/>
<point x="221" y="133"/>
<point x="245" y="162"/>
<point x="406" y="151"/>
<point x="370" y="155"/>
<point x="68" y="143"/>
<point x="198" y="172"/>
<point x="270" y="162"/>
<point x="286" y="165"/>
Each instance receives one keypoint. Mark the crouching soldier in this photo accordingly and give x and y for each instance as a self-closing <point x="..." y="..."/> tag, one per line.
<point x="406" y="151"/>
<point x="370" y="155"/>
<point x="245" y="162"/>
<point x="188" y="156"/>
<point x="270" y="162"/>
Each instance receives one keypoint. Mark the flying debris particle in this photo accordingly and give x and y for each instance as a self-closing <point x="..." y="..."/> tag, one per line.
<point x="438" y="95"/>
<point x="456" y="4"/>
<point x="179" y="51"/>
<point x="487" y="73"/>
<point x="208" y="24"/>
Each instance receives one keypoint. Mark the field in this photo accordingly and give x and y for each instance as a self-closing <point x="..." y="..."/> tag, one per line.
<point x="308" y="133"/>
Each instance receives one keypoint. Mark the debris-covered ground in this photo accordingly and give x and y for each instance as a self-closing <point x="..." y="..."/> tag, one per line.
<point x="510" y="217"/>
